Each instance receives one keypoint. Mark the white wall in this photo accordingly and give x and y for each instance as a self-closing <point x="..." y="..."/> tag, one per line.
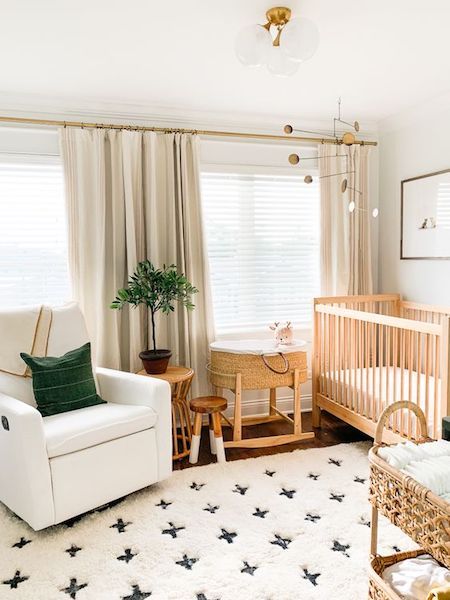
<point x="413" y="145"/>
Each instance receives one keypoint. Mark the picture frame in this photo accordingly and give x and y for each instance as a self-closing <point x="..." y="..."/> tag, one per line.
<point x="425" y="217"/>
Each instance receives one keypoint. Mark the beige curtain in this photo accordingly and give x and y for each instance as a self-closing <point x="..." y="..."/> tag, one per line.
<point x="135" y="195"/>
<point x="346" y="262"/>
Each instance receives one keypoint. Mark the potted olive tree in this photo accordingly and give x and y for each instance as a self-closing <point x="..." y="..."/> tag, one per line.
<point x="158" y="290"/>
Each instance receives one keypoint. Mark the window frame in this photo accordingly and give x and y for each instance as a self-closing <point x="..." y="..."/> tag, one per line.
<point x="268" y="170"/>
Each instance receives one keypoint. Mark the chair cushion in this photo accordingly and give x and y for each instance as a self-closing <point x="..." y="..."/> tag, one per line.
<point x="63" y="383"/>
<point x="86" y="427"/>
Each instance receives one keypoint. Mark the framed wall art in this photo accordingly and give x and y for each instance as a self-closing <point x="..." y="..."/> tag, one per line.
<point x="425" y="217"/>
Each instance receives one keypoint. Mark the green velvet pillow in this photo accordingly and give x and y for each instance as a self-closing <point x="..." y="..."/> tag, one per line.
<point x="63" y="383"/>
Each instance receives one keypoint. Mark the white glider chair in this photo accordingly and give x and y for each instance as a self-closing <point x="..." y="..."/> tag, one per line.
<point x="54" y="468"/>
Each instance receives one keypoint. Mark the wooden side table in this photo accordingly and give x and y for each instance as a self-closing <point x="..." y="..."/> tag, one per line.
<point x="180" y="379"/>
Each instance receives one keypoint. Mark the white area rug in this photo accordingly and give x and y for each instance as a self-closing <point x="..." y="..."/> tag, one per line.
<point x="283" y="527"/>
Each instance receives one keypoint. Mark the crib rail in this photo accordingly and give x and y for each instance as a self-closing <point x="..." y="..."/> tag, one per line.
<point x="423" y="312"/>
<point x="363" y="361"/>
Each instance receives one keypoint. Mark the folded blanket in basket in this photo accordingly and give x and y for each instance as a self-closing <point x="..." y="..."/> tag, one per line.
<point x="428" y="463"/>
<point x="415" y="578"/>
<point x="441" y="593"/>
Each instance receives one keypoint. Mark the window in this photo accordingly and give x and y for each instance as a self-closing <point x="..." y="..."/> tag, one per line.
<point x="263" y="236"/>
<point x="33" y="237"/>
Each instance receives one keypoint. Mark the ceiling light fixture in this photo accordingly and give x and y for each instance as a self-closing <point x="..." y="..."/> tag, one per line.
<point x="281" y="44"/>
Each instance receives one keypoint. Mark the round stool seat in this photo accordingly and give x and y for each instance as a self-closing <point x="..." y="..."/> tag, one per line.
<point x="208" y="404"/>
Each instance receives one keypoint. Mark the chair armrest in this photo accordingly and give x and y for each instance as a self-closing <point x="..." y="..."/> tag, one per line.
<point x="25" y="479"/>
<point x="128" y="388"/>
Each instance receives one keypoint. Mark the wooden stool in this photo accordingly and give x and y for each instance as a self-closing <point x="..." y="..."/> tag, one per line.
<point x="212" y="406"/>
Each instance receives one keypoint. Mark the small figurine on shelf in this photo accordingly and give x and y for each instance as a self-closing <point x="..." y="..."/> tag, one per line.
<point x="284" y="334"/>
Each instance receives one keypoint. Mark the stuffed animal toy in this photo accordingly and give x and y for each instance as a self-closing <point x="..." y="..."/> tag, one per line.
<point x="284" y="334"/>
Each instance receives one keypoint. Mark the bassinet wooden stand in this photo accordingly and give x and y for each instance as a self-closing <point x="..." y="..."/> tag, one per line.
<point x="239" y="372"/>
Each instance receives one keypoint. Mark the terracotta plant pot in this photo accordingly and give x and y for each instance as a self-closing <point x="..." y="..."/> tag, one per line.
<point x="155" y="361"/>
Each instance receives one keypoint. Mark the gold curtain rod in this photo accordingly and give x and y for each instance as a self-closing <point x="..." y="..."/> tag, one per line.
<point x="236" y="134"/>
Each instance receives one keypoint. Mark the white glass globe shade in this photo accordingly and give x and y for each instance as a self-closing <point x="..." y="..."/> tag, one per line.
<point x="279" y="64"/>
<point x="252" y="45"/>
<point x="351" y="207"/>
<point x="300" y="39"/>
<point x="375" y="213"/>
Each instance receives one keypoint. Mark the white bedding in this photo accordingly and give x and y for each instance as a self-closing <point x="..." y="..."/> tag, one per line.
<point x="414" y="578"/>
<point x="380" y="386"/>
<point x="427" y="463"/>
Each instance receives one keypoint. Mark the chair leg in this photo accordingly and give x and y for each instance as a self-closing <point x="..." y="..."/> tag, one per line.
<point x="195" y="444"/>
<point x="212" y="442"/>
<point x="220" y="450"/>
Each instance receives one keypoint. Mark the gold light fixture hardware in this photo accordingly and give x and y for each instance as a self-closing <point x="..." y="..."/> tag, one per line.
<point x="277" y="16"/>
<point x="288" y="129"/>
<point x="294" y="159"/>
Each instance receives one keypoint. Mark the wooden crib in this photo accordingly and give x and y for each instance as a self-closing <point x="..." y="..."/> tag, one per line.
<point x="371" y="351"/>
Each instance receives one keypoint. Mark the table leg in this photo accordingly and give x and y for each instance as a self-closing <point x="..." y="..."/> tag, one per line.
<point x="195" y="444"/>
<point x="220" y="450"/>
<point x="212" y="442"/>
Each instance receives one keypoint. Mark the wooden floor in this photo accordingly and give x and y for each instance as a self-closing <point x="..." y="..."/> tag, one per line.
<point x="333" y="432"/>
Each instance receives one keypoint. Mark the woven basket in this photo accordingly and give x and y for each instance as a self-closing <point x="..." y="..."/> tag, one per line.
<point x="378" y="588"/>
<point x="255" y="374"/>
<point x="419" y="513"/>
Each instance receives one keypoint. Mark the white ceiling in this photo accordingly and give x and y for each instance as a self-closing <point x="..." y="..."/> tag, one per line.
<point x="381" y="56"/>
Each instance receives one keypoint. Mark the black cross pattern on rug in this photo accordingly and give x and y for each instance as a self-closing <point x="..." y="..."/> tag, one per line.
<point x="364" y="521"/>
<point x="335" y="461"/>
<point x="72" y="551"/>
<point x="211" y="509"/>
<point x="196" y="486"/>
<point x="73" y="589"/>
<point x="202" y="596"/>
<point x="164" y="505"/>
<point x="120" y="525"/>
<point x="14" y="581"/>
<point x="359" y="479"/>
<point x="314" y="476"/>
<point x="127" y="556"/>
<point x="238" y="489"/>
<point x="288" y="493"/>
<point x="173" y="530"/>
<point x="248" y="569"/>
<point x="312" y="577"/>
<point x="227" y="535"/>
<point x="338" y="547"/>
<point x="280" y="541"/>
<point x="260" y="513"/>
<point x="396" y="549"/>
<point x="187" y="562"/>
<point x="137" y="594"/>
<point x="21" y="543"/>
<point x="337" y="497"/>
<point x="269" y="473"/>
<point x="312" y="518"/>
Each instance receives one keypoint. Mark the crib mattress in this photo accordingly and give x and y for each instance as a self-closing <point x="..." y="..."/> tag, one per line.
<point x="374" y="388"/>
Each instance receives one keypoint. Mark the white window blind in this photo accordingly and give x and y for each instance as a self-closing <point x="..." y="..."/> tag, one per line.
<point x="33" y="237"/>
<point x="263" y="247"/>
